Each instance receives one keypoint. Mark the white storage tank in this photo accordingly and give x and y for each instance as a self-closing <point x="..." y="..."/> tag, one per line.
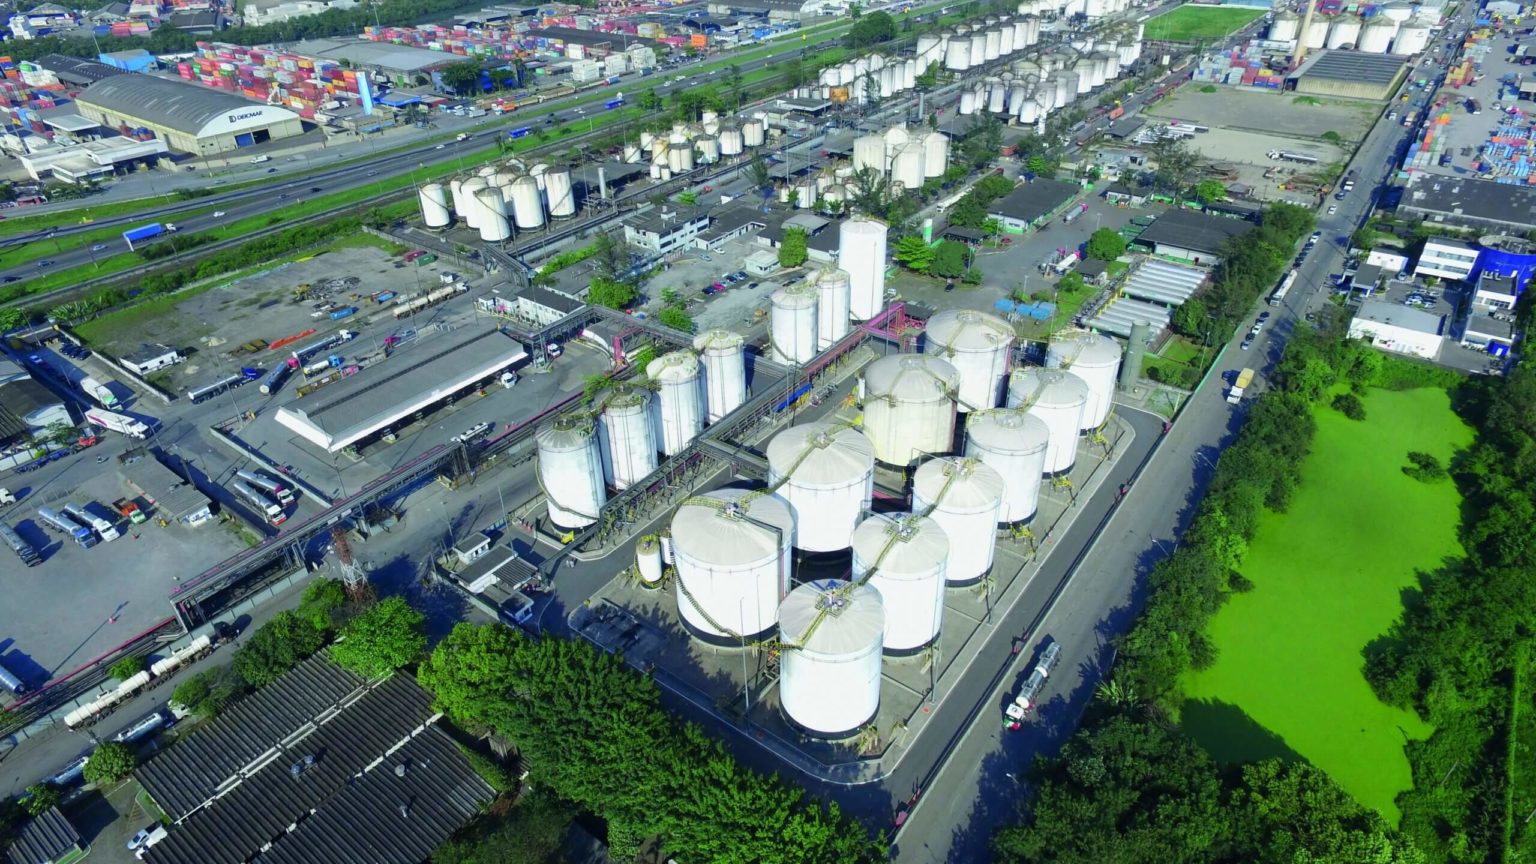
<point x="928" y="47"/>
<point x="907" y="167"/>
<point x="1412" y="38"/>
<point x="935" y="155"/>
<point x="909" y="406"/>
<point x="833" y="293"/>
<point x="1345" y="30"/>
<point x="562" y="198"/>
<point x="456" y="192"/>
<point x="793" y="324"/>
<point x="731" y="143"/>
<point x="1397" y="13"/>
<point x="1093" y="357"/>
<point x="968" y="101"/>
<point x="861" y="254"/>
<point x="725" y="370"/>
<point x="472" y="211"/>
<point x="964" y="496"/>
<point x="434" y="206"/>
<point x="1013" y="443"/>
<point x="680" y="399"/>
<point x="829" y="677"/>
<point x="977" y="344"/>
<point x="709" y="150"/>
<point x="1285" y="27"/>
<point x="732" y="555"/>
<point x="571" y="472"/>
<point x="753" y="133"/>
<point x="1376" y="35"/>
<point x="903" y="557"/>
<point x="826" y="472"/>
<point x="1059" y="398"/>
<point x="494" y="226"/>
<point x="869" y="152"/>
<point x="805" y="195"/>
<point x="1316" y="33"/>
<point x="629" y="441"/>
<point x="527" y="204"/>
<point x="957" y="55"/>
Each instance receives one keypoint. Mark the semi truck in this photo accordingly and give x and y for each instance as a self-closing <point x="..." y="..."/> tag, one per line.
<point x="121" y="423"/>
<point x="258" y="499"/>
<point x="147" y="232"/>
<point x="67" y="526"/>
<point x="102" y="393"/>
<point x="1242" y="382"/>
<point x="103" y="528"/>
<point x="273" y="488"/>
<point x="1025" y="702"/>
<point x="274" y="380"/>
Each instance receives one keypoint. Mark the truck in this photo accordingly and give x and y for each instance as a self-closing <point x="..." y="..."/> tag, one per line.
<point x="129" y="510"/>
<point x="98" y="391"/>
<point x="67" y="526"/>
<point x="1025" y="702"/>
<point x="103" y="527"/>
<point x="121" y="423"/>
<point x="1243" y="381"/>
<point x="147" y="232"/>
<point x="274" y="380"/>
<point x="258" y="499"/>
<point x="274" y="488"/>
<point x="257" y="160"/>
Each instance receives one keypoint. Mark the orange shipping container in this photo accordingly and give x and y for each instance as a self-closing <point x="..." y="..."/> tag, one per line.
<point x="698" y="40"/>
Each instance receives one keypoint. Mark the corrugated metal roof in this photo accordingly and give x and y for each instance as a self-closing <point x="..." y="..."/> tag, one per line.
<point x="43" y="838"/>
<point x="173" y="104"/>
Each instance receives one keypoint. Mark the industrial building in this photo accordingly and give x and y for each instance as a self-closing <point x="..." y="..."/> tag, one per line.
<point x="401" y="64"/>
<point x="47" y="838"/>
<point x="189" y="118"/>
<point x="1351" y="74"/>
<point x="1399" y="328"/>
<point x="310" y="768"/>
<point x="773" y="10"/>
<point x="1481" y="204"/>
<point x="1445" y="258"/>
<point x="1031" y="204"/>
<point x="664" y="229"/>
<point x="92" y="160"/>
<point x="150" y="357"/>
<point x="413" y="380"/>
<point x="1484" y="332"/>
<point x="175" y="497"/>
<point x="1192" y="236"/>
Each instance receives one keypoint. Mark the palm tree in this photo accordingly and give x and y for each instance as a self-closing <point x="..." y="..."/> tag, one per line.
<point x="1112" y="692"/>
<point x="868" y="740"/>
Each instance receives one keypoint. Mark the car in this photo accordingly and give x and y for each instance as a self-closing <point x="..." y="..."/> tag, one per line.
<point x="1311" y="316"/>
<point x="1263" y="316"/>
<point x="45" y="263"/>
<point x="1247" y="343"/>
<point x="440" y="146"/>
<point x="1332" y="209"/>
<point x="740" y="274"/>
<point x="271" y="170"/>
<point x="218" y="214"/>
<point x="553" y="349"/>
<point x="1402" y="275"/>
<point x="282" y="196"/>
<point x="9" y="279"/>
<point x="373" y="173"/>
<point x="142" y="837"/>
<point x="705" y="258"/>
<point x="751" y="285"/>
<point x="1339" y="195"/>
<point x="718" y="286"/>
<point x="1316" y="236"/>
<point x="710" y="290"/>
<point x="314" y="189"/>
<point x="98" y="247"/>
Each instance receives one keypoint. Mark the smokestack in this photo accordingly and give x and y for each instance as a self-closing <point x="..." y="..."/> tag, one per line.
<point x="602" y="183"/>
<point x="1301" y="38"/>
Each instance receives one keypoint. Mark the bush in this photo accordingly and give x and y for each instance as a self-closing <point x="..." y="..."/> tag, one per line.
<point x="111" y="762"/>
<point x="126" y="668"/>
<point x="322" y="604"/>
<point x="491" y="771"/>
<point x="1209" y="88"/>
<point x="1425" y="468"/>
<point x="1239" y="583"/>
<point x="41" y="797"/>
<point x="1349" y="405"/>
<point x="275" y="648"/>
<point x="386" y="636"/>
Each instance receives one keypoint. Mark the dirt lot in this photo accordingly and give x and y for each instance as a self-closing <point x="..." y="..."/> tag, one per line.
<point x="1244" y="153"/>
<point x="1257" y="110"/>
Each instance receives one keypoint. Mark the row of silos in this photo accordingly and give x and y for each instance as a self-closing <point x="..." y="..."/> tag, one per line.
<point x="867" y="79"/>
<point x="496" y="201"/>
<point x="908" y="157"/>
<point x="971" y="45"/>
<point x="689" y="145"/>
<point x="1393" y="28"/>
<point x="1030" y="90"/>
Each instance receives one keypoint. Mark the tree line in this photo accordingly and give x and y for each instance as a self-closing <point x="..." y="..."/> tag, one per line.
<point x="595" y="734"/>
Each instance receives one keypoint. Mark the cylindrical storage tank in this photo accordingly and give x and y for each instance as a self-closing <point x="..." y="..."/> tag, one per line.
<point x="957" y="56"/>
<point x="559" y="191"/>
<point x="861" y="253"/>
<point x="805" y="195"/>
<point x="1058" y="397"/>
<point x="456" y="191"/>
<point x="629" y="441"/>
<point x="571" y="472"/>
<point x="648" y="560"/>
<point x="826" y="472"/>
<point x="1345" y="30"/>
<point x="1316" y="34"/>
<point x="730" y="141"/>
<point x="494" y="226"/>
<point x="1066" y="88"/>
<point x="1083" y="70"/>
<point x="1397" y="13"/>
<point x="487" y="173"/>
<point x="709" y="150"/>
<point x="632" y="154"/>
<point x="527" y="204"/>
<point x="725" y="370"/>
<point x="964" y="496"/>
<point x="732" y="553"/>
<point x="967" y="101"/>
<point x="1093" y="357"/>
<point x="834" y="289"/>
<point x="908" y="74"/>
<point x="1412" y="38"/>
<point x="1376" y="36"/>
<point x="680" y="399"/>
<point x="935" y="154"/>
<point x="1029" y="112"/>
<point x="928" y="45"/>
<point x="646" y="138"/>
<point x="753" y="133"/>
<point x="977" y="345"/>
<point x="992" y="45"/>
<point x="907" y="556"/>
<point x="1285" y="27"/>
<point x="793" y="324"/>
<point x="909" y="406"/>
<point x="997" y="96"/>
<point x="472" y="209"/>
<point x="978" y="48"/>
<point x="829" y="669"/>
<point x="907" y="167"/>
<point x="1013" y="443"/>
<point x="434" y="206"/>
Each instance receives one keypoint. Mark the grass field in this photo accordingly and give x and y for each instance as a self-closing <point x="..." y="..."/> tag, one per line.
<point x="1328" y="578"/>
<point x="1199" y="23"/>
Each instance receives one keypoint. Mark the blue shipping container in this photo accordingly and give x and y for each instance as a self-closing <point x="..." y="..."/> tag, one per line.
<point x="343" y="313"/>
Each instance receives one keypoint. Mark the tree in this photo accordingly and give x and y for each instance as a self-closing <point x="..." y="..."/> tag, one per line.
<point x="1071" y="283"/>
<point x="688" y="198"/>
<point x="111" y="762"/>
<point x="1175" y="164"/>
<point x="913" y="253"/>
<point x="322" y="602"/>
<point x="676" y="318"/>
<point x="793" y="71"/>
<point x="1105" y="244"/>
<point x="127" y="667"/>
<point x="42" y="797"/>
<point x="1210" y="191"/>
<point x="606" y="292"/>
<point x="968" y="212"/>
<point x="648" y="101"/>
<point x="276" y="647"/>
<point x="387" y="636"/>
<point x="1040" y="166"/>
<point x="992" y="227"/>
<point x="462" y="78"/>
<point x="871" y="29"/>
<point x="792" y="251"/>
<point x="531" y="833"/>
<point x="759" y="174"/>
<point x="927" y="80"/>
<point x="949" y="259"/>
<point x="1190" y="319"/>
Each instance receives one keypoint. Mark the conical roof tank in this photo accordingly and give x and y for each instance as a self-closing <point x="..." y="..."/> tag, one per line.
<point x="1014" y="444"/>
<point x="571" y="472"/>
<point x="679" y="405"/>
<point x="903" y="557"/>
<point x="909" y="406"/>
<point x="1059" y="398"/>
<point x="977" y="343"/>
<point x="829" y="683"/>
<point x="963" y="496"/>
<point x="732" y="552"/>
<point x="723" y="353"/>
<point x="826" y="472"/>
<point x="1093" y="357"/>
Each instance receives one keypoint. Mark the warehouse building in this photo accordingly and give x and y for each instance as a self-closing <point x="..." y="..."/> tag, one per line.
<point x="1398" y="328"/>
<point x="187" y="117"/>
<point x="1031" y="204"/>
<point x="1481" y="204"/>
<point x="773" y="10"/>
<point x="1192" y="236"/>
<point x="1352" y="74"/>
<point x="411" y="381"/>
<point x="402" y="64"/>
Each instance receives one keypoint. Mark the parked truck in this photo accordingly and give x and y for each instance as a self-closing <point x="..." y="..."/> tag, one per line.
<point x="147" y="232"/>
<point x="1242" y="382"/>
<point x="67" y="526"/>
<point x="129" y="510"/>
<point x="121" y="423"/>
<point x="102" y="393"/>
<point x="103" y="527"/>
<point x="259" y="500"/>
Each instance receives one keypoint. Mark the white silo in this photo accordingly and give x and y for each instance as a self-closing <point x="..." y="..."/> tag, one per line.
<point x="935" y="154"/>
<point x="1057" y="397"/>
<point x="1412" y="38"/>
<point x="680" y="399"/>
<point x="1093" y="357"/>
<point x="805" y="195"/>
<point x="792" y="328"/>
<point x="968" y="101"/>
<point x="928" y="45"/>
<point x="964" y="496"/>
<point x="829" y="676"/>
<point x="861" y="253"/>
<point x="957" y="56"/>
<point x="1345" y="30"/>
<point x="908" y="74"/>
<point x="1315" y="34"/>
<point x="732" y="554"/>
<point x="629" y="441"/>
<point x="571" y="472"/>
<point x="826" y="472"/>
<point x="527" y="204"/>
<point x="1376" y="35"/>
<point x="1014" y="444"/>
<point x="559" y="192"/>
<point x="833" y="291"/>
<point x="977" y="344"/>
<point x="997" y="96"/>
<point x="753" y="133"/>
<point x="869" y="152"/>
<point x="494" y="226"/>
<point x="632" y="154"/>
<point x="434" y="206"/>
<point x="907" y="166"/>
<point x="472" y="211"/>
<point x="978" y="48"/>
<point x="709" y="150"/>
<point x="903" y="557"/>
<point x="730" y="141"/>
<point x="1083" y="69"/>
<point x="456" y="192"/>
<point x="1397" y="13"/>
<point x="1066" y="88"/>
<point x="909" y="406"/>
<point x="725" y="370"/>
<point x="992" y="45"/>
<point x="1285" y="27"/>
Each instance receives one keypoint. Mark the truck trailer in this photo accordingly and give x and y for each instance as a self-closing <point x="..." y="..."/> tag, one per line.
<point x="120" y="423"/>
<point x="1243" y="381"/>
<point x="67" y="526"/>
<point x="103" y="528"/>
<point x="98" y="391"/>
<point x="258" y="499"/>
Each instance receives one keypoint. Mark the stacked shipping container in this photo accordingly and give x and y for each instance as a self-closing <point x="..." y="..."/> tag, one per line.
<point x="302" y="84"/>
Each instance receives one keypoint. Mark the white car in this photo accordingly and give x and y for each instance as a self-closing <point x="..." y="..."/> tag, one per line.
<point x="1332" y="209"/>
<point x="218" y="214"/>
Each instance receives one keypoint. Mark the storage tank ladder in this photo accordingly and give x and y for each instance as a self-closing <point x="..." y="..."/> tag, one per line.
<point x="583" y="421"/>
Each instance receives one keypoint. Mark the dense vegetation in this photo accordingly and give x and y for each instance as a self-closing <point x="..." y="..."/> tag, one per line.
<point x="594" y="733"/>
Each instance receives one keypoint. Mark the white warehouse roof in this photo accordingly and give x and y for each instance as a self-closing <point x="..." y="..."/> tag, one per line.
<point x="184" y="107"/>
